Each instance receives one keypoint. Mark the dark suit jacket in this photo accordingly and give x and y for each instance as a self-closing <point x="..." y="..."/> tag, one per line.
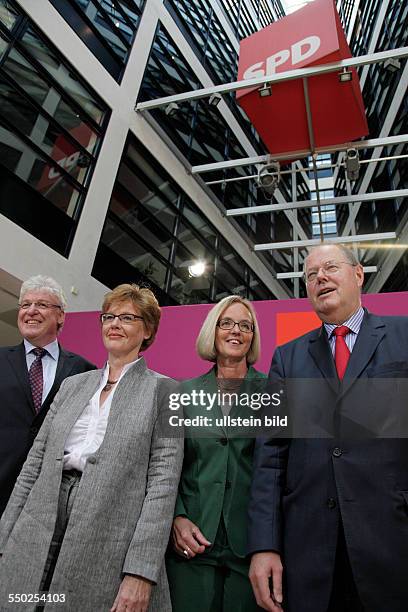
<point x="302" y="488"/>
<point x="19" y="424"/>
<point x="217" y="469"/>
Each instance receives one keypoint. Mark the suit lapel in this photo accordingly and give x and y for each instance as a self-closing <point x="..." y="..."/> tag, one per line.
<point x="370" y="335"/>
<point x="18" y="362"/>
<point x="209" y="385"/>
<point x="65" y="366"/>
<point x="320" y="351"/>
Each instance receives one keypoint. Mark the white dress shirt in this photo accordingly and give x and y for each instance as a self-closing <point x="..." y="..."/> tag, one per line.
<point x="88" y="432"/>
<point x="49" y="364"/>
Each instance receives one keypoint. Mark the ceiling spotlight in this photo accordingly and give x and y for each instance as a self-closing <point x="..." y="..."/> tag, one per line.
<point x="352" y="164"/>
<point x="268" y="178"/>
<point x="392" y="64"/>
<point x="196" y="269"/>
<point x="265" y="90"/>
<point x="214" y="99"/>
<point x="345" y="76"/>
<point x="171" y="108"/>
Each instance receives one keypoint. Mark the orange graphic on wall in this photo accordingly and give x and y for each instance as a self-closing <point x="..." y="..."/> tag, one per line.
<point x="291" y="325"/>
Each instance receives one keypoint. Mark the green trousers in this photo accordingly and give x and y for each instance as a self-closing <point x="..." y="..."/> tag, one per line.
<point x="215" y="581"/>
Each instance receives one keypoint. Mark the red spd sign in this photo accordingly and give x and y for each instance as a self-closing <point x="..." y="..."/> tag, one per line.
<point x="309" y="37"/>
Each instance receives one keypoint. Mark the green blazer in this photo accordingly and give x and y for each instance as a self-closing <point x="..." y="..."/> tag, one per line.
<point x="217" y="469"/>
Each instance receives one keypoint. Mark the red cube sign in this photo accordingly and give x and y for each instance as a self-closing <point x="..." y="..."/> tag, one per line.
<point x="309" y="37"/>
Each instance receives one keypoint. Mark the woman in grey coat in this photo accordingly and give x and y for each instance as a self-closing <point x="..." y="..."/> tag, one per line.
<point x="87" y="524"/>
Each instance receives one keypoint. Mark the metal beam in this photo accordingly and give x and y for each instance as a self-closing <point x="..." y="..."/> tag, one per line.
<point x="366" y="197"/>
<point x="316" y="241"/>
<point x="391" y="259"/>
<point x="296" y="274"/>
<point x="288" y="155"/>
<point x="288" y="75"/>
<point x="309" y="169"/>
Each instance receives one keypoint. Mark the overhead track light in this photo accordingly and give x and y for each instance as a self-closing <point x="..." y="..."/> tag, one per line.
<point x="268" y="178"/>
<point x="345" y="76"/>
<point x="265" y="90"/>
<point x="392" y="64"/>
<point x="214" y="99"/>
<point x="171" y="108"/>
<point x="352" y="164"/>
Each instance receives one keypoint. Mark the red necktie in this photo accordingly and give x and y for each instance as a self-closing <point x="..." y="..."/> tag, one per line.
<point x="35" y="376"/>
<point x="342" y="353"/>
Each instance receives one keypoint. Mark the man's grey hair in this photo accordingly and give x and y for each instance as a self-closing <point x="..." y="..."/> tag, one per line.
<point x="44" y="283"/>
<point x="346" y="251"/>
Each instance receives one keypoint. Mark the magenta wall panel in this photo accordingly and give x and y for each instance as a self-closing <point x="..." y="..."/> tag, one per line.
<point x="173" y="352"/>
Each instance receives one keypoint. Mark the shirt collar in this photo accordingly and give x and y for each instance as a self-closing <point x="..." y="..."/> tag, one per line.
<point x="52" y="348"/>
<point x="105" y="375"/>
<point x="353" y="323"/>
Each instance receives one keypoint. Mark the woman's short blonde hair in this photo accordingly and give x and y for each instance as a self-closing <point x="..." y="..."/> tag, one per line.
<point x="144" y="299"/>
<point x="205" y="344"/>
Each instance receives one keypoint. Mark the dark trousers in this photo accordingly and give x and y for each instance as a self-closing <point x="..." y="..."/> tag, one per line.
<point x="344" y="595"/>
<point x="216" y="581"/>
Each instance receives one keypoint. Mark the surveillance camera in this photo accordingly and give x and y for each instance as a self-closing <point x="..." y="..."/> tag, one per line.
<point x="268" y="178"/>
<point x="352" y="164"/>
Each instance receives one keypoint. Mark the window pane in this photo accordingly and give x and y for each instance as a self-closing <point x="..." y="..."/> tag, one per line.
<point x="192" y="247"/>
<point x="45" y="95"/>
<point x="8" y="15"/>
<point x="18" y="111"/>
<point x="199" y="222"/>
<point x="142" y="193"/>
<point x="131" y="251"/>
<point x="3" y="46"/>
<point x="61" y="73"/>
<point x="36" y="172"/>
<point x="187" y="290"/>
<point x="140" y="222"/>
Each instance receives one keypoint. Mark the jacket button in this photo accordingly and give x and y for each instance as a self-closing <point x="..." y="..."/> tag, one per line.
<point x="223" y="441"/>
<point x="337" y="452"/>
<point x="287" y="491"/>
<point x="228" y="484"/>
<point x="92" y="459"/>
<point x="34" y="431"/>
<point x="331" y="503"/>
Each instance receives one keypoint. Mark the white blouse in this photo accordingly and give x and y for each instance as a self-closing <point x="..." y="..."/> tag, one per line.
<point x="88" y="432"/>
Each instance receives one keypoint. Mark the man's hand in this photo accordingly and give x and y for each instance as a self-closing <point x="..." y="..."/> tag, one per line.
<point x="133" y="595"/>
<point x="188" y="541"/>
<point x="266" y="565"/>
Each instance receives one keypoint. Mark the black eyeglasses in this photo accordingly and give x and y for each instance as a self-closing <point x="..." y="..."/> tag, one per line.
<point x="244" y="325"/>
<point x="124" y="317"/>
<point x="38" y="305"/>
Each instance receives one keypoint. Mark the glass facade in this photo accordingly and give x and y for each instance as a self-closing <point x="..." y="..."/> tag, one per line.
<point x="248" y="17"/>
<point x="154" y="232"/>
<point x="107" y="27"/>
<point x="51" y="128"/>
<point x="199" y="130"/>
<point x="381" y="88"/>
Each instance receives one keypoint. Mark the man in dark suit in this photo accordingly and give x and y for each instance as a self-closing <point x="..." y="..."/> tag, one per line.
<point x="31" y="374"/>
<point x="328" y="518"/>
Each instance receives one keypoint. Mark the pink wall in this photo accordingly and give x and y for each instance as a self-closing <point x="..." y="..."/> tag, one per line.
<point x="173" y="352"/>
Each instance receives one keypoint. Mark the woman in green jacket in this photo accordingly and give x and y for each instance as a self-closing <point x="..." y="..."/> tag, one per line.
<point x="207" y="569"/>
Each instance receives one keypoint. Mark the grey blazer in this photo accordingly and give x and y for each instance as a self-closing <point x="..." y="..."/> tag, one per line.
<point x="123" y="510"/>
